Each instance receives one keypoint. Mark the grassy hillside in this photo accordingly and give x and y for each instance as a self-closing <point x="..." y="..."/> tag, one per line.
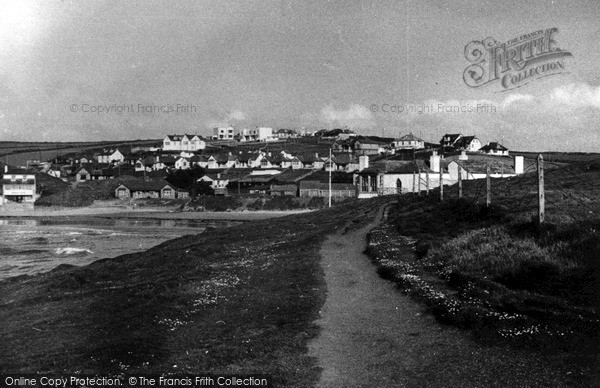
<point x="240" y="299"/>
<point x="493" y="269"/>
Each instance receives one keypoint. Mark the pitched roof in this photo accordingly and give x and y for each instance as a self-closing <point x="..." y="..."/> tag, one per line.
<point x="146" y="185"/>
<point x="292" y="175"/>
<point x="493" y="146"/>
<point x="410" y="137"/>
<point x="477" y="163"/>
<point x="398" y="167"/>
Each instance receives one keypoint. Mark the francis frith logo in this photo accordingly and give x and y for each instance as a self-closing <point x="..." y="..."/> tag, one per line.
<point x="516" y="62"/>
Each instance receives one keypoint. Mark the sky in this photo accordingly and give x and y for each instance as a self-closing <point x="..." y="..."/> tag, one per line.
<point x="111" y="70"/>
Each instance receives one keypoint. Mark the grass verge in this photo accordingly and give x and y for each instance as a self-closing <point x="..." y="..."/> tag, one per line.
<point x="236" y="300"/>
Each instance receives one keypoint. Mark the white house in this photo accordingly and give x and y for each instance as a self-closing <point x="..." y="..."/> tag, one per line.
<point x="182" y="163"/>
<point x="261" y="134"/>
<point x="222" y="133"/>
<point x="398" y="176"/>
<point x="110" y="156"/>
<point x="183" y="143"/>
<point x="475" y="167"/>
<point x="409" y="141"/>
<point x="18" y="186"/>
<point x="460" y="142"/>
<point x="493" y="148"/>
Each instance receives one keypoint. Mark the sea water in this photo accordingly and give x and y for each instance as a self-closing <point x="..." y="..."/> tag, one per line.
<point x="30" y="246"/>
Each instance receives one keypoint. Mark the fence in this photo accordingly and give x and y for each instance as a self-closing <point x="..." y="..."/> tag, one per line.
<point x="556" y="189"/>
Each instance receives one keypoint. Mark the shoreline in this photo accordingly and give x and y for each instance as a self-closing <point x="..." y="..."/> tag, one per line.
<point x="148" y="213"/>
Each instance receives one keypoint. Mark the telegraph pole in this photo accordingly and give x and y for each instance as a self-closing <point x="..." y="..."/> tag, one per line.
<point x="541" y="196"/>
<point x="441" y="183"/>
<point x="488" y="185"/>
<point x="459" y="182"/>
<point x="330" y="177"/>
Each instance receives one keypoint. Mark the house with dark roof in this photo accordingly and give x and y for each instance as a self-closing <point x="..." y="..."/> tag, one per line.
<point x="387" y="177"/>
<point x="409" y="141"/>
<point x="141" y="188"/>
<point x="474" y="166"/>
<point x="460" y="142"/>
<point x="369" y="146"/>
<point x="218" y="182"/>
<point x="183" y="143"/>
<point x="110" y="156"/>
<point x="494" y="148"/>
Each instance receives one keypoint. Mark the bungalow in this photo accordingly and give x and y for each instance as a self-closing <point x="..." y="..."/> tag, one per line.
<point x="145" y="189"/>
<point x="409" y="141"/>
<point x="218" y="182"/>
<point x="396" y="177"/>
<point x="182" y="163"/>
<point x="475" y="166"/>
<point x="82" y="174"/>
<point x="144" y="164"/>
<point x="346" y="162"/>
<point x="164" y="162"/>
<point x="494" y="148"/>
<point x="366" y="146"/>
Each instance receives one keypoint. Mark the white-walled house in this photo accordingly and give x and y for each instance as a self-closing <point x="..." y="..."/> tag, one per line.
<point x="183" y="143"/>
<point x="223" y="133"/>
<point x="494" y="148"/>
<point x="183" y="163"/>
<point x="110" y="156"/>
<point x="18" y="186"/>
<point x="474" y="166"/>
<point x="409" y="141"/>
<point x="460" y="142"/>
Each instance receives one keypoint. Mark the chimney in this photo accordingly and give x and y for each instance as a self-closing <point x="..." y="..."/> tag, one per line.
<point x="463" y="155"/>
<point x="316" y="155"/>
<point x="363" y="162"/>
<point x="434" y="162"/>
<point x="218" y="175"/>
<point x="518" y="165"/>
<point x="6" y="168"/>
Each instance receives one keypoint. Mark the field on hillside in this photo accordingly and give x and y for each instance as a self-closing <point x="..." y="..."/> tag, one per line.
<point x="18" y="153"/>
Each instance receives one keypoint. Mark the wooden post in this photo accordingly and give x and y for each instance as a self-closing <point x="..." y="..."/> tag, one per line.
<point x="459" y="182"/>
<point x="488" y="184"/>
<point x="541" y="198"/>
<point x="414" y="182"/>
<point x="419" y="172"/>
<point x="427" y="177"/>
<point x="441" y="183"/>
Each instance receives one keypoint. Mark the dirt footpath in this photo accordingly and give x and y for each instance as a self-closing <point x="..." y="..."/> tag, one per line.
<point x="374" y="336"/>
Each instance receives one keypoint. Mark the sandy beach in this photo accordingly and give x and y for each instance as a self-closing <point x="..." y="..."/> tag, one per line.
<point x="145" y="212"/>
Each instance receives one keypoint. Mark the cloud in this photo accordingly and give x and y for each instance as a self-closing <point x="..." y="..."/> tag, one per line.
<point x="230" y="119"/>
<point x="516" y="97"/>
<point x="356" y="116"/>
<point x="236" y="115"/>
<point x="577" y="95"/>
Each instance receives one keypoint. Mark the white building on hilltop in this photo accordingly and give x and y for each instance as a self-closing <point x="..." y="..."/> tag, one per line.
<point x="222" y="133"/>
<point x="183" y="143"/>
